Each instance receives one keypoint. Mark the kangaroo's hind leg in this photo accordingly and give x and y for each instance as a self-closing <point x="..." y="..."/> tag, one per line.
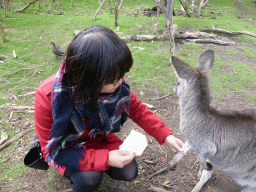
<point x="206" y="175"/>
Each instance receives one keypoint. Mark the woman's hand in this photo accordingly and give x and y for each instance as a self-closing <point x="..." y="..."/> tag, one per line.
<point x="119" y="158"/>
<point x="174" y="142"/>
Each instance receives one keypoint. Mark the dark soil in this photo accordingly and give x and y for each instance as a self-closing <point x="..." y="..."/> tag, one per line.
<point x="183" y="179"/>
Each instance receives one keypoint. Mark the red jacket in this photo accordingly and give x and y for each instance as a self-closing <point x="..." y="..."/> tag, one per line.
<point x="96" y="154"/>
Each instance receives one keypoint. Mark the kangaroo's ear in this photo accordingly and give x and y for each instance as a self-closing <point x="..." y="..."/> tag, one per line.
<point x="182" y="69"/>
<point x="205" y="62"/>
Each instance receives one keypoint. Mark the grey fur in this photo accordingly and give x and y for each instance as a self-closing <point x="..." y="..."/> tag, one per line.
<point x="227" y="139"/>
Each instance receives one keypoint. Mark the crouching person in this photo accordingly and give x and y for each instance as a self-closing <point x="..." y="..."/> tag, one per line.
<point x="78" y="110"/>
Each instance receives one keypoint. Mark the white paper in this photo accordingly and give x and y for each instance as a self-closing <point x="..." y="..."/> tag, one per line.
<point x="135" y="143"/>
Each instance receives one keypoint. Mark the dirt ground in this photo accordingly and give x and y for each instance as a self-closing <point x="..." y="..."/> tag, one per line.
<point x="184" y="178"/>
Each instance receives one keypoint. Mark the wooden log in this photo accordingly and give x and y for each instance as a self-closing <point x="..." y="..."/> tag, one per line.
<point x="212" y="41"/>
<point x="216" y="30"/>
<point x="194" y="37"/>
<point x="143" y="38"/>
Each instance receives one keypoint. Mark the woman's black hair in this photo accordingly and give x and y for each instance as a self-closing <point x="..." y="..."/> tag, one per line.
<point x="96" y="56"/>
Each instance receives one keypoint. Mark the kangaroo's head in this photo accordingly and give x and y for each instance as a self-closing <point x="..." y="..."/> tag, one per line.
<point x="193" y="83"/>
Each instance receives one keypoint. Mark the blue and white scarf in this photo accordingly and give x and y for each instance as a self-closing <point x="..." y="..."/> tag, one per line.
<point x="69" y="119"/>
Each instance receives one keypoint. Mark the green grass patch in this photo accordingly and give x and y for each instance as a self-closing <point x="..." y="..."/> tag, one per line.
<point x="51" y="175"/>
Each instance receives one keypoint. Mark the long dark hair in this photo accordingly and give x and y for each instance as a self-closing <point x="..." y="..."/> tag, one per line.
<point x="94" y="56"/>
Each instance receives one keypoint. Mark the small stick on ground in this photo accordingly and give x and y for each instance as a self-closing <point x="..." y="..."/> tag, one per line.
<point x="164" y="96"/>
<point x="16" y="137"/>
<point x="8" y="158"/>
<point x="167" y="168"/>
<point x="27" y="94"/>
<point x="157" y="189"/>
<point x="13" y="107"/>
<point x="169" y="185"/>
<point x="172" y="164"/>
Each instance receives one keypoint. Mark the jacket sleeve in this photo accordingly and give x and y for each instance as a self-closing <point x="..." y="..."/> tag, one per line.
<point x="67" y="157"/>
<point x="148" y="120"/>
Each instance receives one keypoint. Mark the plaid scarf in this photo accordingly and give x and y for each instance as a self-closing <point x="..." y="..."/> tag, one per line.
<point x="69" y="119"/>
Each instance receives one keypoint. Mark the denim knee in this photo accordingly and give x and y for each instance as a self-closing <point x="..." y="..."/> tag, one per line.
<point x="85" y="181"/>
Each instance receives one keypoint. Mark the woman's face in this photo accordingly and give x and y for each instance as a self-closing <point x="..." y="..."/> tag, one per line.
<point x="110" y="88"/>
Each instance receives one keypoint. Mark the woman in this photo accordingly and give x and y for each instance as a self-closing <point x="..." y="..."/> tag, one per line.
<point x="78" y="110"/>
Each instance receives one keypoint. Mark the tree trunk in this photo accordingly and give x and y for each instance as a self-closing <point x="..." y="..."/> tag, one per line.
<point x="101" y="4"/>
<point x="185" y="7"/>
<point x="204" y="3"/>
<point x="155" y="24"/>
<point x="110" y="6"/>
<point x="116" y="12"/>
<point x="121" y="4"/>
<point x="59" y="4"/>
<point x="169" y="15"/>
<point x="193" y="6"/>
<point x="5" y="8"/>
<point x="50" y="6"/>
<point x="199" y="5"/>
<point x="3" y="33"/>
<point x="10" y="5"/>
<point x="43" y="5"/>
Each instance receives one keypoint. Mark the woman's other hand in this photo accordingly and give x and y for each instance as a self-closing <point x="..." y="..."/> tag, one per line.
<point x="174" y="142"/>
<point x="120" y="158"/>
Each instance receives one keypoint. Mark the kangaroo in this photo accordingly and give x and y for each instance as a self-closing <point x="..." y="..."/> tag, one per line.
<point x="225" y="139"/>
